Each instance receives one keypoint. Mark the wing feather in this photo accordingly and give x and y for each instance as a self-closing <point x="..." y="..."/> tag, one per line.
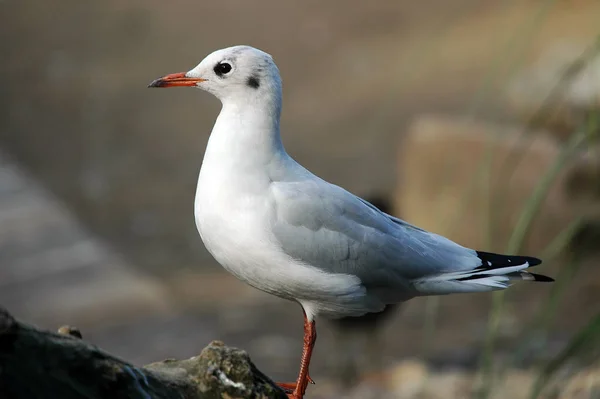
<point x="329" y="228"/>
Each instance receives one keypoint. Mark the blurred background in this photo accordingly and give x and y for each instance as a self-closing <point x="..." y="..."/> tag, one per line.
<point x="474" y="119"/>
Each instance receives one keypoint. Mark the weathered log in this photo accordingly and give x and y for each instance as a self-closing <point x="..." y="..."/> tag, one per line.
<point x="41" y="364"/>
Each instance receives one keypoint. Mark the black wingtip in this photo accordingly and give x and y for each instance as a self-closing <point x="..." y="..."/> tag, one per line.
<point x="493" y="261"/>
<point x="532" y="261"/>
<point x="541" y="278"/>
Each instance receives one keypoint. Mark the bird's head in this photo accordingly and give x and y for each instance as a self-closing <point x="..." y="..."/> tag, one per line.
<point x="241" y="72"/>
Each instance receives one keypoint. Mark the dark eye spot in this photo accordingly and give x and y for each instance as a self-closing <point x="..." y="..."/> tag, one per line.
<point x="222" y="68"/>
<point x="253" y="82"/>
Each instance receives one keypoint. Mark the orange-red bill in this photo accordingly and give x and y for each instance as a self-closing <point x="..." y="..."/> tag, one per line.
<point x="176" y="80"/>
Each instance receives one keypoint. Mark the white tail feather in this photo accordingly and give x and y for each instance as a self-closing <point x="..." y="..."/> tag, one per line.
<point x="468" y="273"/>
<point x="467" y="280"/>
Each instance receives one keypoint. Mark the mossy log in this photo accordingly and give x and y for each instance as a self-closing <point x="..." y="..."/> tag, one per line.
<point x="37" y="364"/>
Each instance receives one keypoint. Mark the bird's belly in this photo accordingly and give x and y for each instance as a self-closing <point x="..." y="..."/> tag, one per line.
<point x="237" y="234"/>
<point x="239" y="241"/>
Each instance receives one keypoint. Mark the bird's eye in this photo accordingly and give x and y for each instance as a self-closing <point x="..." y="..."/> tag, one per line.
<point x="222" y="68"/>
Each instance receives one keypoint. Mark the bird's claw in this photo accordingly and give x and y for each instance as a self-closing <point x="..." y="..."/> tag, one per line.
<point x="288" y="387"/>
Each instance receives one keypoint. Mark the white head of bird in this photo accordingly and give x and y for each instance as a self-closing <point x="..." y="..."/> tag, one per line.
<point x="235" y="75"/>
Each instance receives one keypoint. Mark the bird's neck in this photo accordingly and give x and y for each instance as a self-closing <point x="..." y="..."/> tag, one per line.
<point x="246" y="135"/>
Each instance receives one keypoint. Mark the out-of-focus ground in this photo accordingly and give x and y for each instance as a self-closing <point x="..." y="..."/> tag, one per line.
<point x="99" y="173"/>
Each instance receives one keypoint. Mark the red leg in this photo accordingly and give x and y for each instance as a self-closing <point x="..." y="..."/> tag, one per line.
<point x="297" y="390"/>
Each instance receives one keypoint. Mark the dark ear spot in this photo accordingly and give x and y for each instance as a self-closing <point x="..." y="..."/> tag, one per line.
<point x="253" y="82"/>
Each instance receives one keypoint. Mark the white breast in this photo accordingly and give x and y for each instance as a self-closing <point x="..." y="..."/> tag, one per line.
<point x="235" y="230"/>
<point x="232" y="224"/>
<point x="235" y="209"/>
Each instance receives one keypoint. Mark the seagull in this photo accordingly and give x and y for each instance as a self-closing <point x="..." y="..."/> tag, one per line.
<point x="278" y="227"/>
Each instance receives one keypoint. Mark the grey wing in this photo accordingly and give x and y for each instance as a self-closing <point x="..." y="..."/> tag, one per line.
<point x="327" y="227"/>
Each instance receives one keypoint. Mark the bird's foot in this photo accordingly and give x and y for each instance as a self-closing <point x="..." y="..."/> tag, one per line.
<point x="289" y="387"/>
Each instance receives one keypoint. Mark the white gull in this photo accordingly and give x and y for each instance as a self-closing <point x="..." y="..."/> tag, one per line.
<point x="278" y="227"/>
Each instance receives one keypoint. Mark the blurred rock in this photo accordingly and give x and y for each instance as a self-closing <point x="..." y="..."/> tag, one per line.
<point x="444" y="188"/>
<point x="412" y="380"/>
<point x="583" y="183"/>
<point x="406" y="379"/>
<point x="579" y="95"/>
<point x="516" y="384"/>
<point x="442" y="184"/>
<point x="583" y="188"/>
<point x="450" y="384"/>
<point x="585" y="384"/>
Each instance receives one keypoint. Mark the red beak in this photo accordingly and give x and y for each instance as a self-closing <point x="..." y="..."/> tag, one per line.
<point x="176" y="80"/>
